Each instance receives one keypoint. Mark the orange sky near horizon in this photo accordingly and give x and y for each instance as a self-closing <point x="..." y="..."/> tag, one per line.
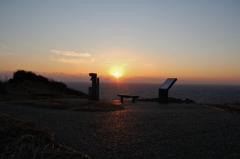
<point x="131" y="72"/>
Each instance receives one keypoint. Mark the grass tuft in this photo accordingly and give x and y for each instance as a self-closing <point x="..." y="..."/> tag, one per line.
<point x="25" y="140"/>
<point x="230" y="107"/>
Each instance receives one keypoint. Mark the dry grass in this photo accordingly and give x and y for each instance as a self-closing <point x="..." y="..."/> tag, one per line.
<point x="230" y="107"/>
<point x="25" y="140"/>
<point x="73" y="104"/>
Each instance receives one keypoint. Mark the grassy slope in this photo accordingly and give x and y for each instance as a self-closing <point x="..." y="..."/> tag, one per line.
<point x="20" y="139"/>
<point x="28" y="82"/>
<point x="25" y="83"/>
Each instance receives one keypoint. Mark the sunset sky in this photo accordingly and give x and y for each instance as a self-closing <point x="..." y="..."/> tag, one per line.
<point x="143" y="40"/>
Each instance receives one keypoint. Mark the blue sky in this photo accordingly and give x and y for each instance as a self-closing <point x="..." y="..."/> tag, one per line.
<point x="196" y="41"/>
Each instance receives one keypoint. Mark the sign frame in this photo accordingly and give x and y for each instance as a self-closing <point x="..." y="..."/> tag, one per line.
<point x="163" y="90"/>
<point x="168" y="83"/>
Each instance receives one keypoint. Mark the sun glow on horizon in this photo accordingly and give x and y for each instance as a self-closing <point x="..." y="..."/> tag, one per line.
<point x="116" y="74"/>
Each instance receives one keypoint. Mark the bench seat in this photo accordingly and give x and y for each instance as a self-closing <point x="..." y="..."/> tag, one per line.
<point x="128" y="96"/>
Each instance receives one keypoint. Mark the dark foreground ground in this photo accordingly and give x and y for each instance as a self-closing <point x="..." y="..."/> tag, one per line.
<point x="142" y="130"/>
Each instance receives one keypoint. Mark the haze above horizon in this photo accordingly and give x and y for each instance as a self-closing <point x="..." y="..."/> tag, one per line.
<point x="123" y="41"/>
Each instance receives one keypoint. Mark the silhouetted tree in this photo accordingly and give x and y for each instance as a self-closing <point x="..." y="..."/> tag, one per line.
<point x="22" y="75"/>
<point x="2" y="88"/>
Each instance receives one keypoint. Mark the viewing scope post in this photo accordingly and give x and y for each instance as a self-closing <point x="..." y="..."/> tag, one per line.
<point x="94" y="90"/>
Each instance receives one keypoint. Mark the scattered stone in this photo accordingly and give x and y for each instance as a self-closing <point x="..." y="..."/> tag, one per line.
<point x="175" y="100"/>
<point x="170" y="100"/>
<point x="189" y="101"/>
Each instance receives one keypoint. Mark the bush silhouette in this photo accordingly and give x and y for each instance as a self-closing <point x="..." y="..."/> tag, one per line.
<point x="22" y="76"/>
<point x="2" y="88"/>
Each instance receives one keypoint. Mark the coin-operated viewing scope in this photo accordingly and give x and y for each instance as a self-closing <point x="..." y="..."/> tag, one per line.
<point x="94" y="90"/>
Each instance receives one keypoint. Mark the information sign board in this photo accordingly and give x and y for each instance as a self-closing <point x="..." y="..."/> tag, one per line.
<point x="168" y="83"/>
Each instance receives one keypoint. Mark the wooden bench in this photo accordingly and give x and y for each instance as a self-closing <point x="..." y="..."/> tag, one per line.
<point x="34" y="95"/>
<point x="128" y="96"/>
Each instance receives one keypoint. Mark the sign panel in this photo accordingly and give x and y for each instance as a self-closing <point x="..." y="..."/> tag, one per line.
<point x="168" y="83"/>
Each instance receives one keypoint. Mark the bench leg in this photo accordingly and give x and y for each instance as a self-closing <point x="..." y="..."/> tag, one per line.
<point x="133" y="100"/>
<point x="121" y="99"/>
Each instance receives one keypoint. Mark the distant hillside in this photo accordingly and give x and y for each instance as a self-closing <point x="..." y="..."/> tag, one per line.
<point x="29" y="82"/>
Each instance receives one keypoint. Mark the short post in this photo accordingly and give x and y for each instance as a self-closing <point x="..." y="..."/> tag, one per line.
<point x="97" y="89"/>
<point x="90" y="93"/>
<point x="121" y="99"/>
<point x="133" y="99"/>
<point x="163" y="95"/>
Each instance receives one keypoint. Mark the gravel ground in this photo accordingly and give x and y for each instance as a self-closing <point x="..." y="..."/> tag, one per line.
<point x="142" y="130"/>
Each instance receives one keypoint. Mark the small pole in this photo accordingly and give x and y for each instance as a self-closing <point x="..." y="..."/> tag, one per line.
<point x="97" y="89"/>
<point x="90" y="93"/>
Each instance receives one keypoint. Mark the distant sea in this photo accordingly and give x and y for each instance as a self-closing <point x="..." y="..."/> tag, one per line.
<point x="199" y="93"/>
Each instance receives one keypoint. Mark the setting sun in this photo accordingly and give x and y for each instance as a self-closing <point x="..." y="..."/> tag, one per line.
<point x="116" y="74"/>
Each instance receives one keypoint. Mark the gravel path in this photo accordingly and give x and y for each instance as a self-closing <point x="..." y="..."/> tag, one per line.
<point x="142" y="130"/>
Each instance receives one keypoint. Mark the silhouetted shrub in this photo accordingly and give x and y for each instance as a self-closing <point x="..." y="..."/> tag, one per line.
<point x="11" y="81"/>
<point x="75" y="92"/>
<point x="2" y="88"/>
<point x="22" y="76"/>
<point x="58" y="85"/>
